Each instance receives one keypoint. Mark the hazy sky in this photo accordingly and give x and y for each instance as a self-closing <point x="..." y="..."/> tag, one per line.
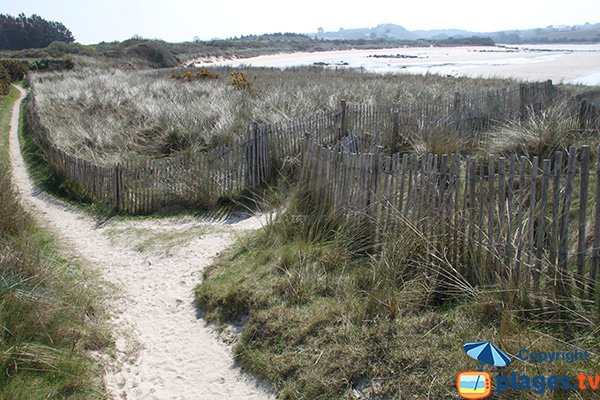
<point x="180" y="20"/>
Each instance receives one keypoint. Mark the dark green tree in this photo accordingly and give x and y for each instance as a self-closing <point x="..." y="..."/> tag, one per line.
<point x="24" y="32"/>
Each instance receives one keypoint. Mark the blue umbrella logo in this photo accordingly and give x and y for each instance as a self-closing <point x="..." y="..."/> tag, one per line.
<point x="487" y="353"/>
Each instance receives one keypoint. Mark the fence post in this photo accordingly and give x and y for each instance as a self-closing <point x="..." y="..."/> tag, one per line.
<point x="266" y="153"/>
<point x="374" y="191"/>
<point x="596" y="244"/>
<point x="395" y="143"/>
<point x="456" y="103"/>
<point x="377" y="169"/>
<point x="582" y="115"/>
<point x="456" y="112"/>
<point x="522" y="101"/>
<point x="305" y="155"/>
<point x="563" y="246"/>
<point x="251" y="155"/>
<point x="548" y="91"/>
<point x="344" y="126"/>
<point x="583" y="198"/>
<point x="119" y="186"/>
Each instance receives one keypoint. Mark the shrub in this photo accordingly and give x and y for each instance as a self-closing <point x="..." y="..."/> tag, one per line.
<point x="51" y="64"/>
<point x="189" y="76"/>
<point x="17" y="69"/>
<point x="154" y="53"/>
<point x="71" y="48"/>
<point x="4" y="81"/>
<point x="239" y="81"/>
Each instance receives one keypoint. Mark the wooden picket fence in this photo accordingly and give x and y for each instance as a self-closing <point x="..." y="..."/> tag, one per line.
<point x="466" y="114"/>
<point x="589" y="117"/>
<point x="147" y="185"/>
<point x="534" y="221"/>
<point x="142" y="186"/>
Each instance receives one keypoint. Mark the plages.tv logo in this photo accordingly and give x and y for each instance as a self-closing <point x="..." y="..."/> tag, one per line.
<point x="478" y="384"/>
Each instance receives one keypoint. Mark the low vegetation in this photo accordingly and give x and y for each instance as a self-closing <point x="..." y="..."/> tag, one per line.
<point x="113" y="115"/>
<point x="11" y="71"/>
<point x="189" y="76"/>
<point x="326" y="318"/>
<point x="52" y="317"/>
<point x="540" y="134"/>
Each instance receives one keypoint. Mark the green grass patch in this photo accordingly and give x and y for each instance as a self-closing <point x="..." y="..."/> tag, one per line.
<point x="51" y="308"/>
<point x="6" y="105"/>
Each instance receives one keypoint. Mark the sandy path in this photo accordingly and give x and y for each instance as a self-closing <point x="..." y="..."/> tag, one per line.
<point x="163" y="350"/>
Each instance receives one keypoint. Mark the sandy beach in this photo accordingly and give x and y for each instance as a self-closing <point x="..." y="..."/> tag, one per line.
<point x="561" y="63"/>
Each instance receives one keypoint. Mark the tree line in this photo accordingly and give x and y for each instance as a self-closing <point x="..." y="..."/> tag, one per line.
<point x="22" y="32"/>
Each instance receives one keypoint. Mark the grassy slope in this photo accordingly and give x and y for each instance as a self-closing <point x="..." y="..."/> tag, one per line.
<point x="51" y="315"/>
<point x="323" y="321"/>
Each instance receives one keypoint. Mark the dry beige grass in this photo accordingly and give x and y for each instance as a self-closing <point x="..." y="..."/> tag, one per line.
<point x="112" y="115"/>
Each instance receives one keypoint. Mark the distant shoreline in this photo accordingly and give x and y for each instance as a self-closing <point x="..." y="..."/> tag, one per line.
<point x="562" y="63"/>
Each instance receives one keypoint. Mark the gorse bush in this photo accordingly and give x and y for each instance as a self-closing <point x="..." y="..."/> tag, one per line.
<point x="49" y="64"/>
<point x="239" y="81"/>
<point x="18" y="70"/>
<point x="189" y="76"/>
<point x="11" y="70"/>
<point x="155" y="53"/>
<point x="4" y="81"/>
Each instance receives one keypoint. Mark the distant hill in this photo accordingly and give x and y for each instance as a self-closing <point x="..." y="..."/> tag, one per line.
<point x="381" y="32"/>
<point x="588" y="33"/>
<point x="552" y="34"/>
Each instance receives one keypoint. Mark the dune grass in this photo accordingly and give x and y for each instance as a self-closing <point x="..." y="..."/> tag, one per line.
<point x="324" y="318"/>
<point x="107" y="116"/>
<point x="111" y="115"/>
<point x="51" y="310"/>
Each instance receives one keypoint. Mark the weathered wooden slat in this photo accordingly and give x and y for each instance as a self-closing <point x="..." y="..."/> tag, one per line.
<point x="596" y="241"/>
<point x="531" y="218"/>
<point x="457" y="223"/>
<point x="510" y="248"/>
<point x="563" y="246"/>
<point x="583" y="198"/>
<point x="540" y="228"/>
<point x="472" y="181"/>
<point x="480" y="215"/>
<point x="520" y="223"/>
<point x="502" y="217"/>
<point x="491" y="210"/>
<point x="402" y="183"/>
<point x="554" y="227"/>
